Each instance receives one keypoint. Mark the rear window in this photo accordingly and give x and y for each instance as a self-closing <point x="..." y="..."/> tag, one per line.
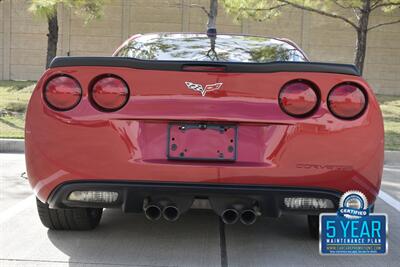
<point x="200" y="47"/>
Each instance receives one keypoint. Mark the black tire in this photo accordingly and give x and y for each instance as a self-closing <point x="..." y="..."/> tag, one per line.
<point x="313" y="226"/>
<point x="372" y="208"/>
<point x="68" y="219"/>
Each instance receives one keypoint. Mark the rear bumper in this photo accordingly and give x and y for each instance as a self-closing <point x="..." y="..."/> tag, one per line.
<point x="267" y="155"/>
<point x="132" y="194"/>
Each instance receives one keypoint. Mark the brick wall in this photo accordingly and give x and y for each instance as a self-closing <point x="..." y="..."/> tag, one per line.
<point x="23" y="37"/>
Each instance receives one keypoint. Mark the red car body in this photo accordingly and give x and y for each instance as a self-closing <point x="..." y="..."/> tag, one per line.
<point x="274" y="150"/>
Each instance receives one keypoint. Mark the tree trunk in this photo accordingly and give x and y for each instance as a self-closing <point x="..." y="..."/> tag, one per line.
<point x="212" y="16"/>
<point x="52" y="38"/>
<point x="362" y="32"/>
<point x="361" y="49"/>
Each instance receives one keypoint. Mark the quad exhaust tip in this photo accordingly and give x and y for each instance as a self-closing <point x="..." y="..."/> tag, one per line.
<point x="155" y="211"/>
<point x="248" y="217"/>
<point x="171" y="213"/>
<point x="152" y="212"/>
<point x="230" y="216"/>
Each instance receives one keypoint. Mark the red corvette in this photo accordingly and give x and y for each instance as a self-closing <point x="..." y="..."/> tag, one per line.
<point x="243" y="124"/>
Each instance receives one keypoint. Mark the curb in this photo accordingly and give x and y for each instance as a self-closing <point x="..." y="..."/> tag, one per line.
<point x="18" y="146"/>
<point x="12" y="146"/>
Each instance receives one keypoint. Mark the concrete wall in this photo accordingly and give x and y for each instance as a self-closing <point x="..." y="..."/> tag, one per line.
<point x="23" y="37"/>
<point x="3" y="19"/>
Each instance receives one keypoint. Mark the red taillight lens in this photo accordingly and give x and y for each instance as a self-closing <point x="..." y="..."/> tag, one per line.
<point x="62" y="93"/>
<point x="347" y="101"/>
<point x="299" y="98"/>
<point x="110" y="93"/>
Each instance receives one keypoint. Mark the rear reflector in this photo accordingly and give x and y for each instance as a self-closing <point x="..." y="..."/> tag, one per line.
<point x="299" y="98"/>
<point x="109" y="93"/>
<point x="347" y="101"/>
<point x="93" y="196"/>
<point x="308" y="203"/>
<point x="62" y="93"/>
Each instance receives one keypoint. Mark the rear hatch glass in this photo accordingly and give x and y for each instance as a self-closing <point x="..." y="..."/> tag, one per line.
<point x="203" y="48"/>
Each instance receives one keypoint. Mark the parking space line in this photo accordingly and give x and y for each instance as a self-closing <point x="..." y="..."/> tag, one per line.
<point x="222" y="244"/>
<point x="391" y="169"/>
<point x="389" y="200"/>
<point x="17" y="208"/>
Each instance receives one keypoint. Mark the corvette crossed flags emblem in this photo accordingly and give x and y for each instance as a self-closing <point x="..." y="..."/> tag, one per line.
<point x="203" y="90"/>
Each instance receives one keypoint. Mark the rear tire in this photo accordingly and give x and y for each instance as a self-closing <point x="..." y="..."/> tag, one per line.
<point x="68" y="219"/>
<point x="372" y="208"/>
<point x="313" y="226"/>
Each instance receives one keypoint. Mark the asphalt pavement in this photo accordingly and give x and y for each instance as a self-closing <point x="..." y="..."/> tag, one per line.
<point x="197" y="239"/>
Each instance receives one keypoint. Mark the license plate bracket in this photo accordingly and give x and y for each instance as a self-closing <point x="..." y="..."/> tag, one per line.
<point x="202" y="142"/>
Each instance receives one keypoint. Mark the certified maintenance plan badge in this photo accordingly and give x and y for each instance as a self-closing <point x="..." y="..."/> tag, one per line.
<point x="352" y="230"/>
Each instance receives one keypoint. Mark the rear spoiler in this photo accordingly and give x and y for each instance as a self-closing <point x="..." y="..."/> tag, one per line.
<point x="237" y="67"/>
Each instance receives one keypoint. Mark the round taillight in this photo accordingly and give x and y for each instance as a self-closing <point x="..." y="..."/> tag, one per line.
<point x="347" y="101"/>
<point x="299" y="98"/>
<point x="110" y="93"/>
<point x="62" y="93"/>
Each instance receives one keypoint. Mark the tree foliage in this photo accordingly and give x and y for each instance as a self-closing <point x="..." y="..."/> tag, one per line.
<point x="266" y="9"/>
<point x="88" y="9"/>
<point x="43" y="8"/>
<point x="355" y="13"/>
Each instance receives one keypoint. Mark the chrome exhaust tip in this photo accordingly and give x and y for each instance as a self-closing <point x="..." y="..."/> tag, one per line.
<point x="230" y="216"/>
<point x="248" y="217"/>
<point x="171" y="213"/>
<point x="152" y="212"/>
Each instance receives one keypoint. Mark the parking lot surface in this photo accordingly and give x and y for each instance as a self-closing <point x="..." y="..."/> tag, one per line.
<point x="197" y="239"/>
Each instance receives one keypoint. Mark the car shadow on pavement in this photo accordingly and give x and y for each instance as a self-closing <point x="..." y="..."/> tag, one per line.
<point x="131" y="239"/>
<point x="194" y="240"/>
